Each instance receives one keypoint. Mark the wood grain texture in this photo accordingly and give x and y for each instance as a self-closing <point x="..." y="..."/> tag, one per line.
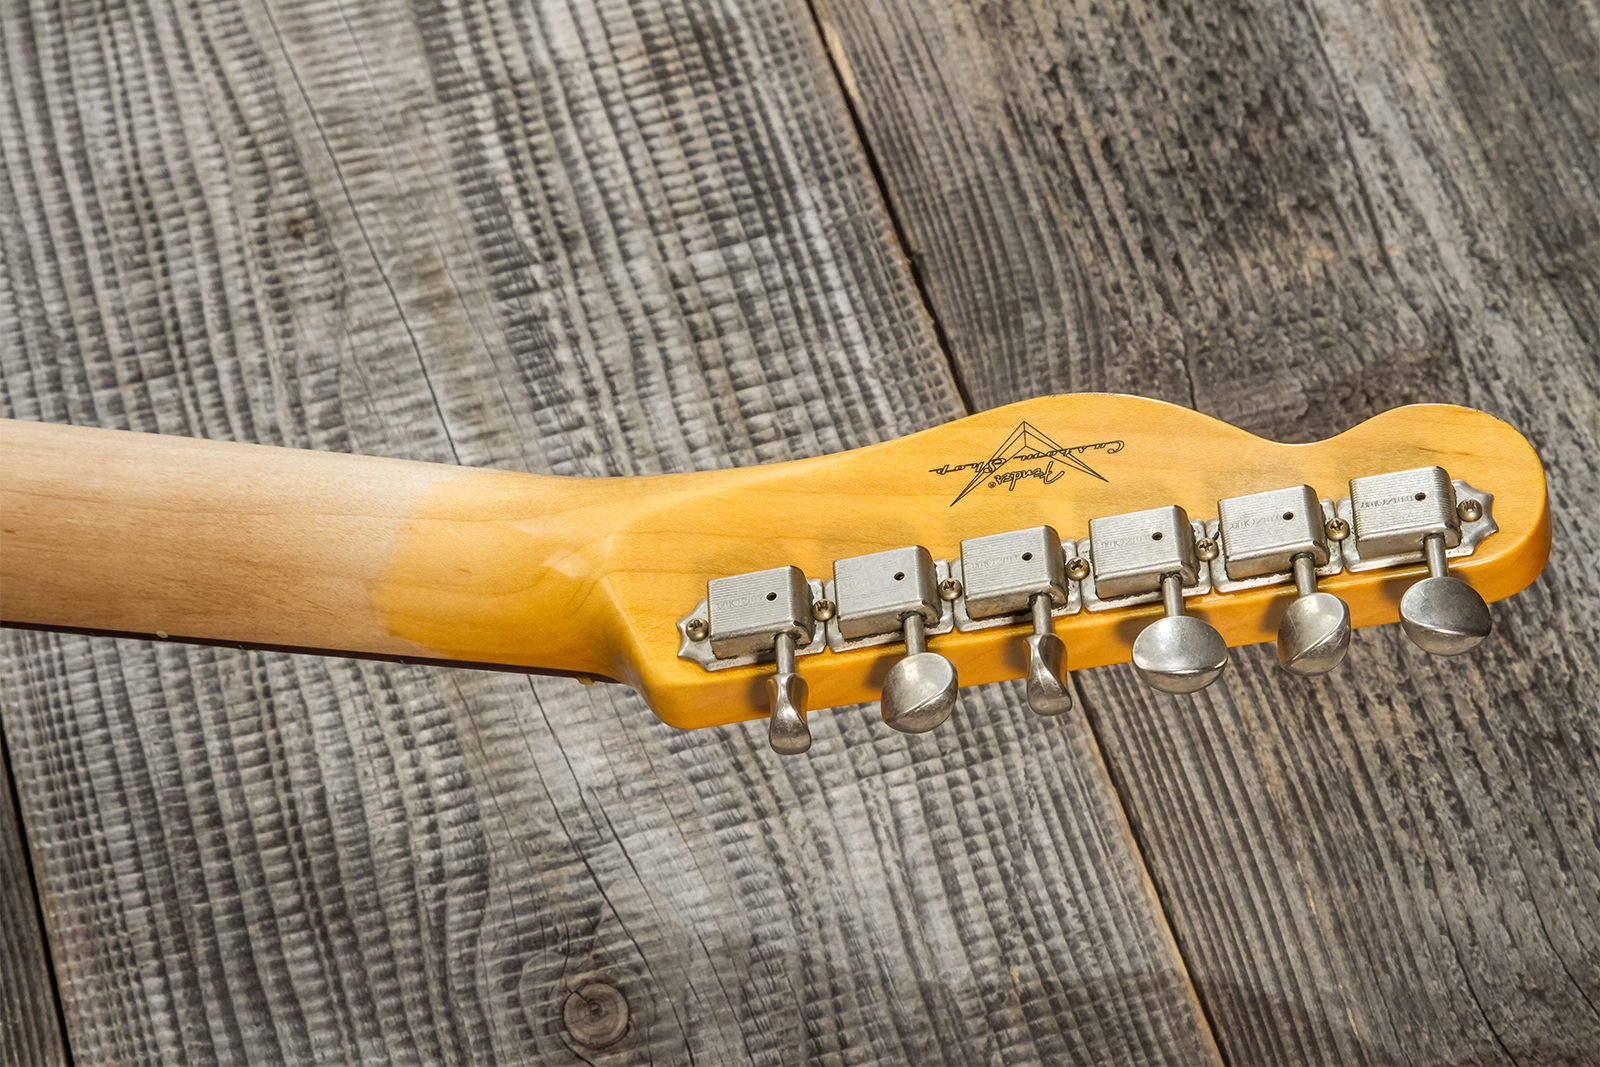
<point x="564" y="238"/>
<point x="1291" y="217"/>
<point x="30" y="1028"/>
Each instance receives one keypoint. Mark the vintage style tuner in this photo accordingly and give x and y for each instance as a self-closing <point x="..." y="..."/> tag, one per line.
<point x="1150" y="551"/>
<point x="760" y="612"/>
<point x="1411" y="513"/>
<point x="1023" y="571"/>
<point x="895" y="594"/>
<point x="1283" y="533"/>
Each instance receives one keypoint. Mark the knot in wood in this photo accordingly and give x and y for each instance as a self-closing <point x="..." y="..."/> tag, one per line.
<point x="596" y="1015"/>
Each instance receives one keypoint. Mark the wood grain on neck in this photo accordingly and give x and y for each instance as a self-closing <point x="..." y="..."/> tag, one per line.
<point x="172" y="537"/>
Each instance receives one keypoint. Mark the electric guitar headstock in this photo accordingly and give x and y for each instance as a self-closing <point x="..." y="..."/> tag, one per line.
<point x="1069" y="532"/>
<point x="1054" y="534"/>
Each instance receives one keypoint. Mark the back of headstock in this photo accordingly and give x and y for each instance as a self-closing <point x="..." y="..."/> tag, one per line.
<point x="1093" y="533"/>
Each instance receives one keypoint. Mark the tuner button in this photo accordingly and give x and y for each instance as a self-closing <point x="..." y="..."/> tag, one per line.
<point x="1047" y="660"/>
<point x="1441" y="614"/>
<point x="920" y="691"/>
<point x="1315" y="632"/>
<point x="787" y="731"/>
<point x="1180" y="653"/>
<point x="1444" y="616"/>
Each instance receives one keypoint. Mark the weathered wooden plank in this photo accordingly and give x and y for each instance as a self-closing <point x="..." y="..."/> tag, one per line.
<point x="1292" y="217"/>
<point x="566" y="238"/>
<point x="30" y="1028"/>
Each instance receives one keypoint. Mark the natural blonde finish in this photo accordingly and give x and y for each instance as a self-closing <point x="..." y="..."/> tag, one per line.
<point x="133" y="533"/>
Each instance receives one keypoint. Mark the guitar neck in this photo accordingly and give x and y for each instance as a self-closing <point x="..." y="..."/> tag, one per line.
<point x="180" y="539"/>
<point x="173" y="538"/>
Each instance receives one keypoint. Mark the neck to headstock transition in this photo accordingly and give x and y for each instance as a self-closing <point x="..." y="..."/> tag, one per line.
<point x="181" y="539"/>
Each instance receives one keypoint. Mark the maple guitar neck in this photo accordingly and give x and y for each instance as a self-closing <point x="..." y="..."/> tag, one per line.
<point x="180" y="539"/>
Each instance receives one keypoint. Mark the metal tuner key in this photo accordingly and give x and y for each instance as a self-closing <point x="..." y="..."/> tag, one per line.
<point x="892" y="594"/>
<point x="1023" y="572"/>
<point x="1145" y="551"/>
<point x="1284" y="532"/>
<point x="1410" y="511"/>
<point x="768" y="611"/>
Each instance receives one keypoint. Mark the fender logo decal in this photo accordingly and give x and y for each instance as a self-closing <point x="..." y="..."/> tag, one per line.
<point x="1027" y="444"/>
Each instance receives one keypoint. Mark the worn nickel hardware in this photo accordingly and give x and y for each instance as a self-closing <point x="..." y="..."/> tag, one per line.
<point x="1021" y="574"/>
<point x="1031" y="577"/>
<point x="895" y="594"/>
<point x="1410" y="512"/>
<point x="1153" y="551"/>
<point x="1284" y="532"/>
<point x="770" y="611"/>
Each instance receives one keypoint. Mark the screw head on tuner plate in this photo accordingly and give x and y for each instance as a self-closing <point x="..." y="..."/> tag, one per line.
<point x="1314" y="634"/>
<point x="919" y="692"/>
<point x="1179" y="654"/>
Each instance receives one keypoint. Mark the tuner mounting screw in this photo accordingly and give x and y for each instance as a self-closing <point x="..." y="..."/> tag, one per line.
<point x="1206" y="548"/>
<point x="949" y="589"/>
<point x="697" y="629"/>
<point x="1338" y="529"/>
<point x="1077" y="568"/>
<point x="822" y="610"/>
<point x="1469" y="510"/>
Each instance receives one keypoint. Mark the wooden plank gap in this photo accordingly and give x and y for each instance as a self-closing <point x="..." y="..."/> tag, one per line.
<point x="36" y="1034"/>
<point x="1139" y="842"/>
<point x="839" y="64"/>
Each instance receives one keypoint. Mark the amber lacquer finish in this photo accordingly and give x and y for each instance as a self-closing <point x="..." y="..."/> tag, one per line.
<point x="139" y="534"/>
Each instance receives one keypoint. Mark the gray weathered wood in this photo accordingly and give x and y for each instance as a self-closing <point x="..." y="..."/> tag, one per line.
<point x="565" y="238"/>
<point x="30" y="1028"/>
<point x="1292" y="217"/>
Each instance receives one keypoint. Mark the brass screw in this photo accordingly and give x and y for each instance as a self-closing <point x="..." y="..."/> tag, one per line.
<point x="1338" y="529"/>
<point x="822" y="610"/>
<point x="1206" y="548"/>
<point x="1469" y="510"/>
<point x="1077" y="568"/>
<point x="949" y="589"/>
<point x="697" y="629"/>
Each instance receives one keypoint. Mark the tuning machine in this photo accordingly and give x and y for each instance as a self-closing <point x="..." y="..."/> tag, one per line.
<point x="1142" y="554"/>
<point x="887" y="596"/>
<point x="1019" y="576"/>
<point x="762" y="616"/>
<point x="1278" y="535"/>
<point x="1413" y="515"/>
